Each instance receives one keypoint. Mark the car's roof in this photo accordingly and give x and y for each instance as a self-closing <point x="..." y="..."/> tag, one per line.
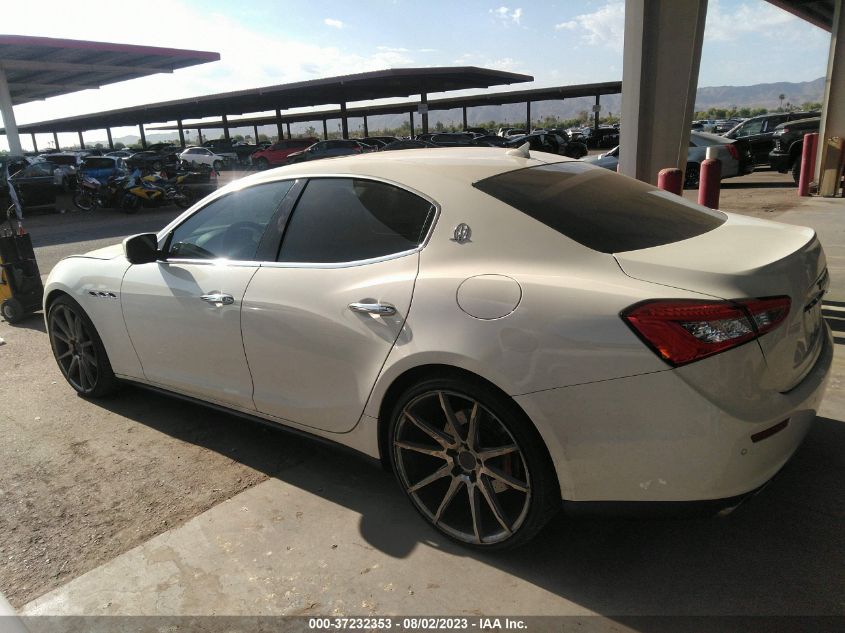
<point x="467" y="163"/>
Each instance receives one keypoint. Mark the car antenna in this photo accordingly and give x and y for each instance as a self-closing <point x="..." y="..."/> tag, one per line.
<point x="521" y="151"/>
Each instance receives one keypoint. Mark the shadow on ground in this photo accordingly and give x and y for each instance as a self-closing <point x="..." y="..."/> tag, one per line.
<point x="783" y="552"/>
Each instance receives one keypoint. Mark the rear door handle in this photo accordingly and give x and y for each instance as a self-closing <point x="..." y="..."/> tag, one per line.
<point x="382" y="309"/>
<point x="219" y="297"/>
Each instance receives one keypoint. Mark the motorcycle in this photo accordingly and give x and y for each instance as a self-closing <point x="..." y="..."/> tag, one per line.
<point x="130" y="193"/>
<point x="92" y="194"/>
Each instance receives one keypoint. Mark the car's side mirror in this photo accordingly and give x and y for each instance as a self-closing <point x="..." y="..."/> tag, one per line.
<point x="141" y="249"/>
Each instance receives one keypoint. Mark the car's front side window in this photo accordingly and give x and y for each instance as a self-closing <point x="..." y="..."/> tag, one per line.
<point x="230" y="227"/>
<point x="352" y="219"/>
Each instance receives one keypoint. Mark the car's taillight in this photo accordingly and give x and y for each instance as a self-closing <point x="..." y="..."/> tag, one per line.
<point x="681" y="331"/>
<point x="734" y="152"/>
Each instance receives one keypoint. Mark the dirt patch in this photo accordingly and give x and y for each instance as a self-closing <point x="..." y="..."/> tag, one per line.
<point x="763" y="194"/>
<point x="85" y="481"/>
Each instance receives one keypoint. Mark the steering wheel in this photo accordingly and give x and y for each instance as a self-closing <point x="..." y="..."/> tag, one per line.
<point x="241" y="239"/>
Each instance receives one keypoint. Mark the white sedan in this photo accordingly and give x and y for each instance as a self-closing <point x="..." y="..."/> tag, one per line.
<point x="505" y="332"/>
<point x="204" y="156"/>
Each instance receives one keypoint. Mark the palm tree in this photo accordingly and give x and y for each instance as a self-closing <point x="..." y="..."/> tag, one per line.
<point x="781" y="97"/>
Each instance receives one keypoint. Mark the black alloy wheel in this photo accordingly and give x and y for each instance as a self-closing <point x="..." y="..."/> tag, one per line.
<point x="471" y="464"/>
<point x="78" y="349"/>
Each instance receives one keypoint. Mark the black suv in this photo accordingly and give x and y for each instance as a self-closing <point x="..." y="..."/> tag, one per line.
<point x="789" y="143"/>
<point x="757" y="132"/>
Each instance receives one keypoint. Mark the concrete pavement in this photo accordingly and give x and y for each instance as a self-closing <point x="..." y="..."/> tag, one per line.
<point x="334" y="535"/>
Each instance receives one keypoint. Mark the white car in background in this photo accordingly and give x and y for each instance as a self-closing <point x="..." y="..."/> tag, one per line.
<point x="194" y="156"/>
<point x="506" y="332"/>
<point x="734" y="155"/>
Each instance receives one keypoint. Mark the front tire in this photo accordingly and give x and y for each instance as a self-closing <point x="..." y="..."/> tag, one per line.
<point x="472" y="464"/>
<point x="262" y="164"/>
<point x="78" y="349"/>
<point x="12" y="310"/>
<point x="83" y="200"/>
<point x="218" y="165"/>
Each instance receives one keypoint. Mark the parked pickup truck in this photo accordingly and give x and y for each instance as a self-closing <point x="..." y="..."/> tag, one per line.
<point x="789" y="143"/>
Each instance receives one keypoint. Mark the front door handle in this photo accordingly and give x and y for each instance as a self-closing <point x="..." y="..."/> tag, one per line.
<point x="382" y="309"/>
<point x="219" y="297"/>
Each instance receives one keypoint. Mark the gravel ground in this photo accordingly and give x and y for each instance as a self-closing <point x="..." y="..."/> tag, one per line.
<point x="83" y="481"/>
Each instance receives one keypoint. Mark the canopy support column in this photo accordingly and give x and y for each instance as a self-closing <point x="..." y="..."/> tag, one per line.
<point x="833" y="117"/>
<point x="344" y="123"/>
<point x="8" y="114"/>
<point x="661" y="58"/>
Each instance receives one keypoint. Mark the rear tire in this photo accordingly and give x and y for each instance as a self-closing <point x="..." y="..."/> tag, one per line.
<point x="78" y="349"/>
<point x="692" y="176"/>
<point x="796" y="170"/>
<point x="261" y="164"/>
<point x="130" y="204"/>
<point x="493" y="489"/>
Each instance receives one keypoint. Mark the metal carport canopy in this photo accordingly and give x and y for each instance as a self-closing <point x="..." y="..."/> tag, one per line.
<point x="400" y="82"/>
<point x="448" y="103"/>
<point x="35" y="68"/>
<point x="41" y="67"/>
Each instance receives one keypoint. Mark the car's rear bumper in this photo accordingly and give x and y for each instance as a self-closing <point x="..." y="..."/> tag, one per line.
<point x="779" y="161"/>
<point x="659" y="438"/>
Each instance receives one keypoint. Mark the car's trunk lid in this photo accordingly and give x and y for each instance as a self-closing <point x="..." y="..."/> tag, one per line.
<point x="750" y="258"/>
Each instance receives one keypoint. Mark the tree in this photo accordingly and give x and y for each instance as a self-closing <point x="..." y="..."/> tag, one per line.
<point x="119" y="145"/>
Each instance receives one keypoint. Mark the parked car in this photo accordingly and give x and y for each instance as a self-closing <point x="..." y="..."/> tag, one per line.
<point x="551" y="142"/>
<point x="511" y="131"/>
<point x="326" y="149"/>
<point x="121" y="153"/>
<point x="789" y="144"/>
<point x="69" y="164"/>
<point x="39" y="183"/>
<point x="453" y="139"/>
<point x="491" y="140"/>
<point x="735" y="157"/>
<point x="406" y="143"/>
<point x="277" y="154"/>
<point x="155" y="158"/>
<point x="384" y="140"/>
<point x="604" y="136"/>
<point x="102" y="167"/>
<point x="194" y="156"/>
<point x="504" y="332"/>
<point x="10" y="164"/>
<point x="757" y="132"/>
<point x="235" y="150"/>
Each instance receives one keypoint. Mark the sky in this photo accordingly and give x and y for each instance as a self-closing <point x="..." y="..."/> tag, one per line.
<point x="265" y="42"/>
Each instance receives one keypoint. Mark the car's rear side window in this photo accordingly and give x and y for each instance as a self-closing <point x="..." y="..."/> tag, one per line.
<point x="600" y="209"/>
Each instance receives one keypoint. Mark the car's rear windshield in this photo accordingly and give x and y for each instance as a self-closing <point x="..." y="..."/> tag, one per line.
<point x="63" y="160"/>
<point x="98" y="163"/>
<point x="600" y="209"/>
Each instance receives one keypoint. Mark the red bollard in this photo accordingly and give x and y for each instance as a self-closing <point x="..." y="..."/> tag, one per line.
<point x="808" y="163"/>
<point x="710" y="180"/>
<point x="671" y="179"/>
